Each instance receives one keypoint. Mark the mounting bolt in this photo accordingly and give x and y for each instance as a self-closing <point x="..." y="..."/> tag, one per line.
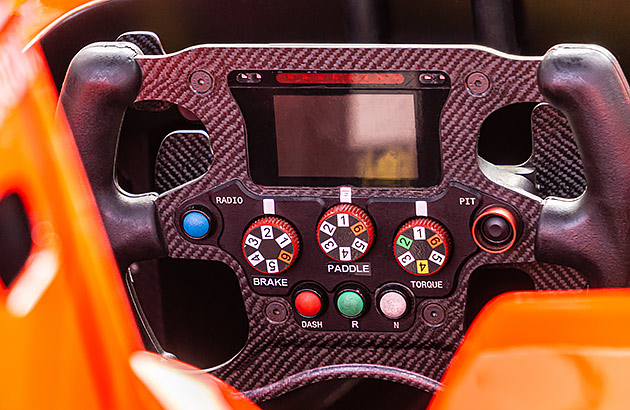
<point x="433" y="314"/>
<point x="276" y="312"/>
<point x="201" y="82"/>
<point x="134" y="268"/>
<point x="477" y="83"/>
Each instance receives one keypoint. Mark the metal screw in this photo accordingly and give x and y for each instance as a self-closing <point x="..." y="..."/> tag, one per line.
<point x="477" y="83"/>
<point x="276" y="312"/>
<point x="433" y="314"/>
<point x="201" y="82"/>
<point x="134" y="268"/>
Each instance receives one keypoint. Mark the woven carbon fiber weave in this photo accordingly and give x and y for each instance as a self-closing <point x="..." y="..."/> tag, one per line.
<point x="182" y="157"/>
<point x="274" y="351"/>
<point x="559" y="170"/>
<point x="146" y="41"/>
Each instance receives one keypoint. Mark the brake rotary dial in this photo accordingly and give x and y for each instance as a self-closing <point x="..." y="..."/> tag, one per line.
<point x="345" y="233"/>
<point x="271" y="244"/>
<point x="422" y="246"/>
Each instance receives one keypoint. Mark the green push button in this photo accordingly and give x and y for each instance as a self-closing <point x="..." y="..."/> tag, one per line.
<point x="350" y="303"/>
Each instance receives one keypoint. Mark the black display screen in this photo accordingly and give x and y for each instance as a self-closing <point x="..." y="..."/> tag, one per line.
<point x="342" y="134"/>
<point x="364" y="136"/>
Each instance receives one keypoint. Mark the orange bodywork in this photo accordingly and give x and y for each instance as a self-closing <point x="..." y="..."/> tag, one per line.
<point x="67" y="333"/>
<point x="544" y="350"/>
<point x="35" y="17"/>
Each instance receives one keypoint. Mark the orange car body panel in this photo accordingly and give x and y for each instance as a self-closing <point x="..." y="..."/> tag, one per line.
<point x="565" y="350"/>
<point x="67" y="333"/>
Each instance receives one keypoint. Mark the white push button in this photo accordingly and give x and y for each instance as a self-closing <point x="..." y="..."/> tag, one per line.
<point x="393" y="304"/>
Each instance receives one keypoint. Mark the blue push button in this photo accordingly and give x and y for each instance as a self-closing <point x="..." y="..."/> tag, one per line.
<point x="196" y="224"/>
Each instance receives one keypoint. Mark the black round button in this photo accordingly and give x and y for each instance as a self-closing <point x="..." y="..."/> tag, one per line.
<point x="496" y="229"/>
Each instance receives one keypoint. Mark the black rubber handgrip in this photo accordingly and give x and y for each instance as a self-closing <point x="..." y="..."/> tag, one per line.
<point x="102" y="81"/>
<point x="591" y="233"/>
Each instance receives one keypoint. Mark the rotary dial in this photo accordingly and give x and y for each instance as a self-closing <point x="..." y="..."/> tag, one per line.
<point x="422" y="246"/>
<point x="271" y="245"/>
<point x="345" y="233"/>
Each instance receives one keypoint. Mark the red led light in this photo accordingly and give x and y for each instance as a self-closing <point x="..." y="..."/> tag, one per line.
<point x="308" y="303"/>
<point x="340" y="78"/>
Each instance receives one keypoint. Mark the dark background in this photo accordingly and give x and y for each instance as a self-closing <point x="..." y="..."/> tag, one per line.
<point x="183" y="23"/>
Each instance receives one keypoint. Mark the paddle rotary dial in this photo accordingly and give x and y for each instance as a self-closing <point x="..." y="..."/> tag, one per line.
<point x="271" y="245"/>
<point x="345" y="233"/>
<point x="422" y="246"/>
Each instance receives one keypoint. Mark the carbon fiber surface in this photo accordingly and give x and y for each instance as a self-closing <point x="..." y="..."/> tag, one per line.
<point x="277" y="350"/>
<point x="274" y="351"/>
<point x="182" y="157"/>
<point x="559" y="170"/>
<point x="149" y="43"/>
<point x="146" y="41"/>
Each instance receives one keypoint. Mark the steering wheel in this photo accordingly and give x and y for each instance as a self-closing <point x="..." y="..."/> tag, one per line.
<point x="560" y="243"/>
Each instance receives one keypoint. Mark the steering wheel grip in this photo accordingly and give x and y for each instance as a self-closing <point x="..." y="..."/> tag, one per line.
<point x="591" y="233"/>
<point x="102" y="81"/>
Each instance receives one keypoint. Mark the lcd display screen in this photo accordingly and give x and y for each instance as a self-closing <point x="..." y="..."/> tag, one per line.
<point x="360" y="135"/>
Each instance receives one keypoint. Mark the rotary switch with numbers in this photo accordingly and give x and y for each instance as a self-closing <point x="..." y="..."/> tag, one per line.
<point x="271" y="245"/>
<point x="422" y="246"/>
<point x="345" y="233"/>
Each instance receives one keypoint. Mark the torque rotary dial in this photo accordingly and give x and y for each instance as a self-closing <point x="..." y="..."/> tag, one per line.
<point x="271" y="244"/>
<point x="422" y="246"/>
<point x="345" y="233"/>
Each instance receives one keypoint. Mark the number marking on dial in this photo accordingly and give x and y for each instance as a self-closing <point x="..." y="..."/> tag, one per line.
<point x="253" y="241"/>
<point x="283" y="240"/>
<point x="358" y="228"/>
<point x="422" y="267"/>
<point x="255" y="258"/>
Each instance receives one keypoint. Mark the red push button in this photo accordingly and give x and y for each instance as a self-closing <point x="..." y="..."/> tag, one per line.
<point x="308" y="303"/>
